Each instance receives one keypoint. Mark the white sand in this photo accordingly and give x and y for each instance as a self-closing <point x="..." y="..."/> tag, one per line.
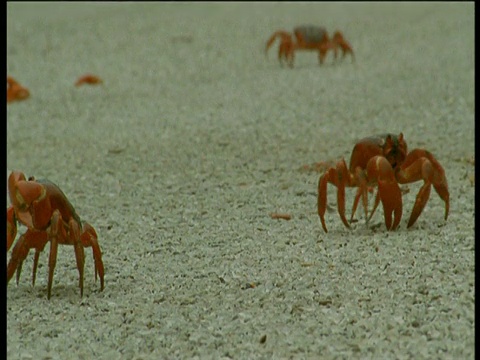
<point x="195" y="137"/>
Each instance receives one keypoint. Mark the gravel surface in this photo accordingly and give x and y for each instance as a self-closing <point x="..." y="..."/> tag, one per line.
<point x="196" y="136"/>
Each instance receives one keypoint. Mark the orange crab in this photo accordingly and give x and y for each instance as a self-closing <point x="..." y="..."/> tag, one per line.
<point x="88" y="79"/>
<point x="43" y="208"/>
<point x="308" y="37"/>
<point x="15" y="91"/>
<point x="384" y="161"/>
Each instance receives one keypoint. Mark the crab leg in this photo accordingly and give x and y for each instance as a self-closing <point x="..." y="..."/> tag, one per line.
<point x="322" y="196"/>
<point x="323" y="49"/>
<point x="55" y="232"/>
<point x="339" y="40"/>
<point x="375" y="205"/>
<point x="79" y="251"/>
<point x="421" y="165"/>
<point x="286" y="47"/>
<point x="89" y="238"/>
<point x="362" y="191"/>
<point x="285" y="51"/>
<point x="11" y="227"/>
<point x="19" y="253"/>
<point x="340" y="177"/>
<point x="35" y="265"/>
<point x="30" y="240"/>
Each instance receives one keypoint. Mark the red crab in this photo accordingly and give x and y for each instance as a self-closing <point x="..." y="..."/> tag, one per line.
<point x="49" y="217"/>
<point x="384" y="161"/>
<point x="15" y="91"/>
<point x="308" y="37"/>
<point x="88" y="79"/>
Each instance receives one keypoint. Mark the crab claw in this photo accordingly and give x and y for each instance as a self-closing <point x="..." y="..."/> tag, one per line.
<point x="28" y="192"/>
<point x="422" y="165"/>
<point x="391" y="198"/>
<point x="13" y="179"/>
<point x="380" y="170"/>
<point x="23" y="194"/>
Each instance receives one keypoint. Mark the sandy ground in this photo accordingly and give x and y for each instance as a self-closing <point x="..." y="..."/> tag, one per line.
<point x="195" y="137"/>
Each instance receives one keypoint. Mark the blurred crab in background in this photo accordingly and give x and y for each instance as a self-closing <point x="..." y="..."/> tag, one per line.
<point x="309" y="37"/>
<point x="15" y="91"/>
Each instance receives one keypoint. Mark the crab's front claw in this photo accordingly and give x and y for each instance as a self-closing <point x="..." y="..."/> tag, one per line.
<point x="389" y="193"/>
<point x="420" y="164"/>
<point x="423" y="196"/>
<point x="391" y="198"/>
<point x="23" y="192"/>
